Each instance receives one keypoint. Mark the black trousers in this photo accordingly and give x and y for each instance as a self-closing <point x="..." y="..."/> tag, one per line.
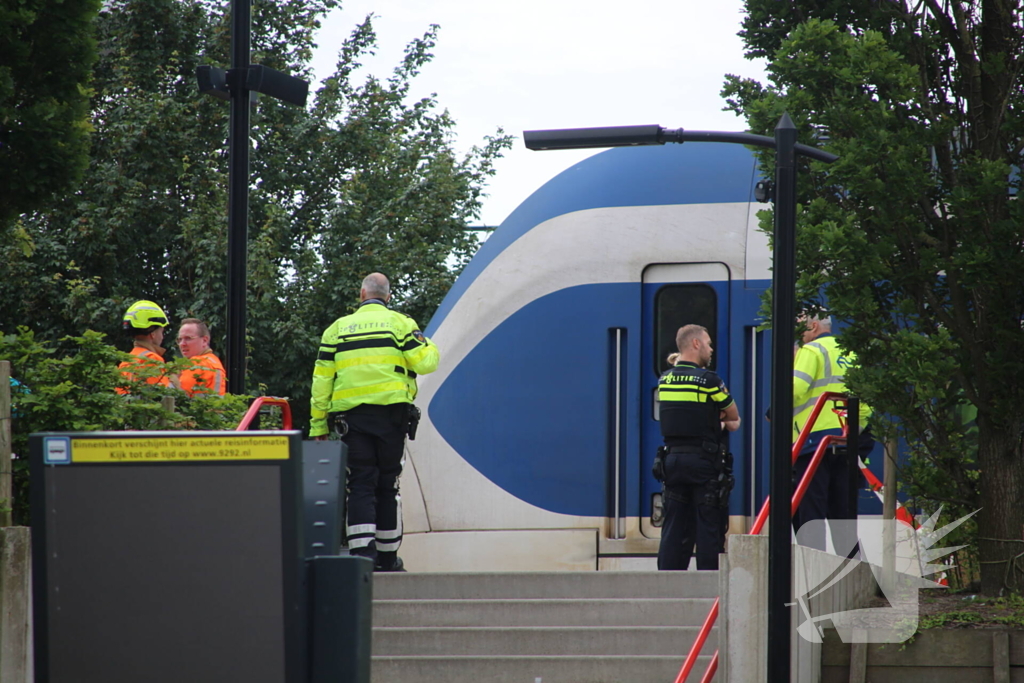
<point x="689" y="518"/>
<point x="376" y="444"/>
<point x="827" y="496"/>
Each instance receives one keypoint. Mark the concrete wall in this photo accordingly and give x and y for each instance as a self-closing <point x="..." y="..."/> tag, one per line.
<point x="743" y="613"/>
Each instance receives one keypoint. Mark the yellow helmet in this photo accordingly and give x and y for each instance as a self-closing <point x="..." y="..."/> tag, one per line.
<point x="142" y="316"/>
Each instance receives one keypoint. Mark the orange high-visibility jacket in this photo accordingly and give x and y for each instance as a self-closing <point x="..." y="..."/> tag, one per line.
<point x="206" y="376"/>
<point x="143" y="357"/>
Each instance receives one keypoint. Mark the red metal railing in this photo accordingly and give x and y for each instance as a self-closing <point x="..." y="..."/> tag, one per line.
<point x="762" y="519"/>
<point x="254" y="410"/>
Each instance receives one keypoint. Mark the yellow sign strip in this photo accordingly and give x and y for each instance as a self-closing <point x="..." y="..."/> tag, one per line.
<point x="180" y="449"/>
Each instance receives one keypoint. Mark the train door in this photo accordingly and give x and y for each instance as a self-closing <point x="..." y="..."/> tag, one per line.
<point x="674" y="294"/>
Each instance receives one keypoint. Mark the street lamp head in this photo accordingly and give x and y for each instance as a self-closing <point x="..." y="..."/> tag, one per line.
<point x="583" y="138"/>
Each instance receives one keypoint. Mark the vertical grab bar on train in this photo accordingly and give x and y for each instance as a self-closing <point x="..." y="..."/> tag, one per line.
<point x="617" y="531"/>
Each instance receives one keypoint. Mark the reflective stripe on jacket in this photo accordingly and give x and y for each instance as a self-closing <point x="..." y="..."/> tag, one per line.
<point x="820" y="366"/>
<point x="206" y="376"/>
<point x="370" y="357"/>
<point x="692" y="399"/>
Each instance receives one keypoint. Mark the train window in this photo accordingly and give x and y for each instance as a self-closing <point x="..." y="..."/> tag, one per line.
<point x="678" y="305"/>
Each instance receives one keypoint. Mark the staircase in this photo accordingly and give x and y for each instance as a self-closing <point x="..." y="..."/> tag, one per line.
<point x="550" y="627"/>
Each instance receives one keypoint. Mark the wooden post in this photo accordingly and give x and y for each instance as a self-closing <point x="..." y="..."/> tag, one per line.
<point x="1001" y="657"/>
<point x="167" y="403"/>
<point x="15" y="604"/>
<point x="6" y="466"/>
<point x="889" y="515"/>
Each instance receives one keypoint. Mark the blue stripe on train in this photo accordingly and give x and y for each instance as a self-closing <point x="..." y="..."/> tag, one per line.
<point x="549" y="364"/>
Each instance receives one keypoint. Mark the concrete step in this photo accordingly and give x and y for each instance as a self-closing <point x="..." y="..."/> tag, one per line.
<point x="540" y="612"/>
<point x="591" y="669"/>
<point x="538" y="641"/>
<point x="552" y="585"/>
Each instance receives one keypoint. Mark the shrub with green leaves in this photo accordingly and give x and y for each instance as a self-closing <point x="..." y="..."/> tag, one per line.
<point x="76" y="392"/>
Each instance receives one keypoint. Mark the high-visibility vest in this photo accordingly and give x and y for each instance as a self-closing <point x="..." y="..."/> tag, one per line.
<point x="369" y="357"/>
<point x="820" y="366"/>
<point x="206" y="376"/>
<point x="143" y="357"/>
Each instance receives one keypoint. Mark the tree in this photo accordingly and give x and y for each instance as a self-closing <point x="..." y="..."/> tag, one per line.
<point x="44" y="113"/>
<point x="362" y="179"/>
<point x="915" y="235"/>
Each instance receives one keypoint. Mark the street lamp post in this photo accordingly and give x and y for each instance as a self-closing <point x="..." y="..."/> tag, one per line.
<point x="783" y="313"/>
<point x="239" y="85"/>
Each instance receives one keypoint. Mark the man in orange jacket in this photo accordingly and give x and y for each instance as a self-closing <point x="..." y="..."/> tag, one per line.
<point x="206" y="376"/>
<point x="145" y="322"/>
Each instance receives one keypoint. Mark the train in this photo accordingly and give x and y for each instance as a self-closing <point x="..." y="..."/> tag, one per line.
<point x="540" y="425"/>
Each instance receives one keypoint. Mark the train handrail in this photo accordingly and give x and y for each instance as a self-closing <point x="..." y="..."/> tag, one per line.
<point x="762" y="518"/>
<point x="254" y="410"/>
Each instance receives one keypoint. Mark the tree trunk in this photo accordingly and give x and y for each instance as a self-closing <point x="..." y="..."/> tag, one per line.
<point x="1001" y="520"/>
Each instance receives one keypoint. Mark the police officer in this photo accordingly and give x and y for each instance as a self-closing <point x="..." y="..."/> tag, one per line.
<point x="695" y="410"/>
<point x="820" y="366"/>
<point x="364" y="383"/>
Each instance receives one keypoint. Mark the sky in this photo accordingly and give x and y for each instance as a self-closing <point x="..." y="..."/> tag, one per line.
<point x="537" y="64"/>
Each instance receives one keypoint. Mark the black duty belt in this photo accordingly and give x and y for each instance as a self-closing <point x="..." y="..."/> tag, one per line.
<point x="686" y="449"/>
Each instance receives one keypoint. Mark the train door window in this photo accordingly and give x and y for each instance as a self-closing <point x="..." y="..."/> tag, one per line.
<point x="678" y="305"/>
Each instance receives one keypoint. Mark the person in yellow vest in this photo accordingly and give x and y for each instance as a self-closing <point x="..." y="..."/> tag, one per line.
<point x="206" y="376"/>
<point x="820" y="366"/>
<point x="364" y="383"/>
<point x="145" y="321"/>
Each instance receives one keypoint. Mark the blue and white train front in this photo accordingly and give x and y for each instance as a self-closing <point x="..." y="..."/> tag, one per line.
<point x="540" y="426"/>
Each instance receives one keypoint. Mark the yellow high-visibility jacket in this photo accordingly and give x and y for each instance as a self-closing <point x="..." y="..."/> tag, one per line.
<point x="369" y="357"/>
<point x="820" y="366"/>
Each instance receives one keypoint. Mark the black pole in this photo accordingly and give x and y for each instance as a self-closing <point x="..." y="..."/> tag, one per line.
<point x="780" y="559"/>
<point x="238" y="193"/>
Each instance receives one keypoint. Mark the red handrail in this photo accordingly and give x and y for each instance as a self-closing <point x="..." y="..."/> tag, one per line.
<point x="702" y="635"/>
<point x="712" y="668"/>
<point x="254" y="410"/>
<point x="762" y="518"/>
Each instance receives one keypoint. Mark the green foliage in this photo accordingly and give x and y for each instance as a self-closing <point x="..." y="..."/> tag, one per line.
<point x="75" y="392"/>
<point x="914" y="236"/>
<point x="44" y="95"/>
<point x="363" y="179"/>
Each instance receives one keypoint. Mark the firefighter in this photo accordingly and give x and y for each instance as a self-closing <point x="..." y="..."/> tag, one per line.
<point x="145" y="321"/>
<point x="206" y="376"/>
<point x="364" y="383"/>
<point x="695" y="410"/>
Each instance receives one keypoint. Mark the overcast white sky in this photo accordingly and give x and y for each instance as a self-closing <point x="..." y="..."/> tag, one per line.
<point x="534" y="64"/>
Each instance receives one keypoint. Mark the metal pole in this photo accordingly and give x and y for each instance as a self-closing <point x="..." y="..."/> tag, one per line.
<point x="780" y="560"/>
<point x="238" y="198"/>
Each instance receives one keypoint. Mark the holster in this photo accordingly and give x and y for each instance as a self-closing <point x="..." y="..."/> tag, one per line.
<point x="412" y="421"/>
<point x="658" y="470"/>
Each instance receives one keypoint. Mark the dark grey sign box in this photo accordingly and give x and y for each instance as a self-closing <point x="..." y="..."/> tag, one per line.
<point x="167" y="557"/>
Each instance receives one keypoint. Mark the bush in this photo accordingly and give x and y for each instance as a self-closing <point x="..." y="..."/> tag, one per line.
<point x="73" y="390"/>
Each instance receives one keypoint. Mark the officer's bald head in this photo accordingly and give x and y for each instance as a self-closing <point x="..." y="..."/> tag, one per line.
<point x="375" y="286"/>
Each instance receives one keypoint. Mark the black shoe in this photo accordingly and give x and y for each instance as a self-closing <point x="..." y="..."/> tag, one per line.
<point x="396" y="566"/>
